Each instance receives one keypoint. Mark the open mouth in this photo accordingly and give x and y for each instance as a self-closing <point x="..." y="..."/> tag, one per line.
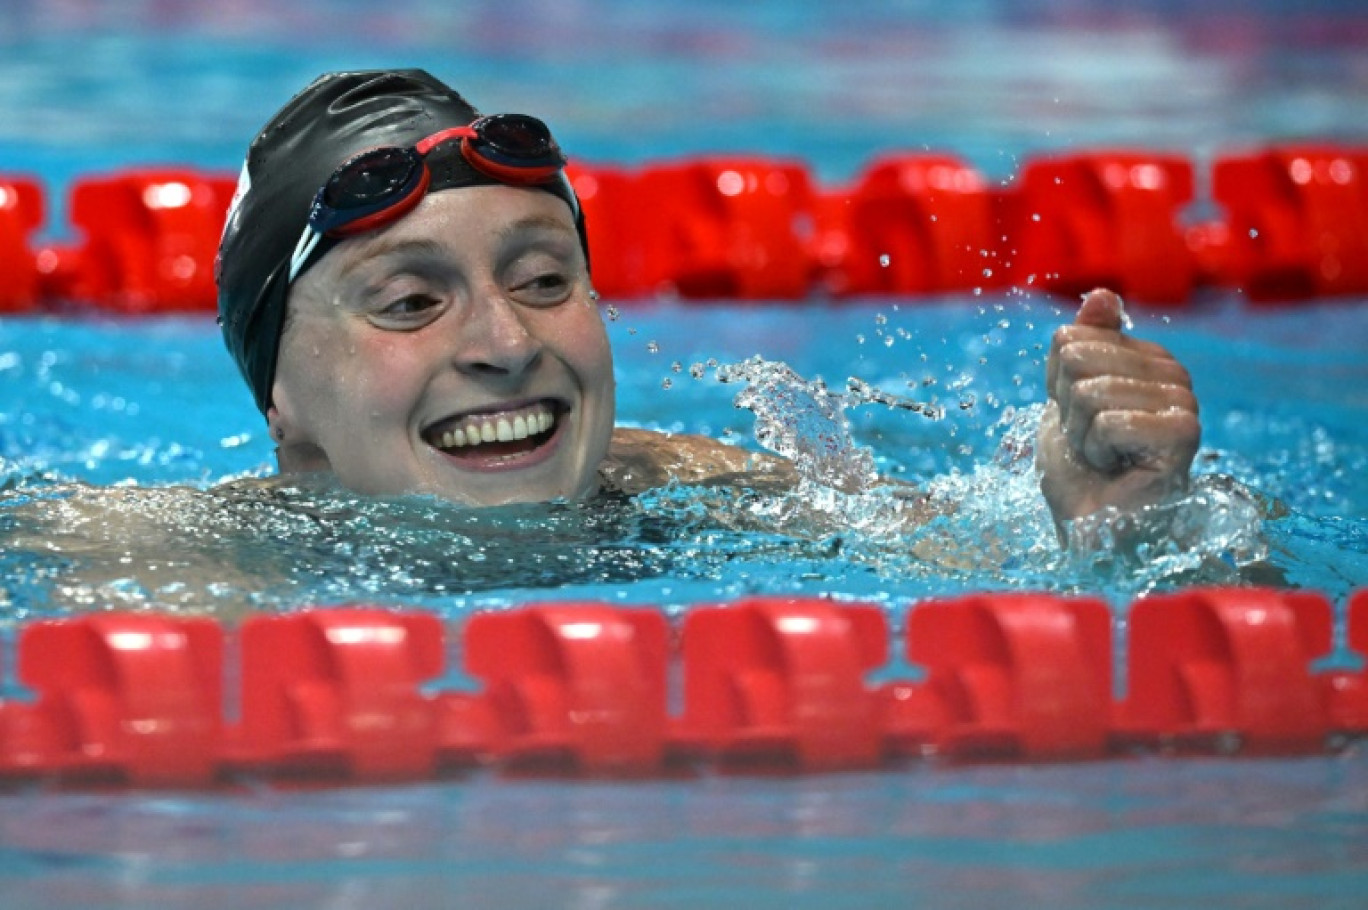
<point x="499" y="435"/>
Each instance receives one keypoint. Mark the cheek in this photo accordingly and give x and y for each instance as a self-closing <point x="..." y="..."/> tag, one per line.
<point x="334" y="381"/>
<point x="586" y="348"/>
<point x="383" y="373"/>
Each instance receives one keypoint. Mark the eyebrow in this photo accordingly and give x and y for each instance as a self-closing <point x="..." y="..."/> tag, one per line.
<point x="430" y="248"/>
<point x="534" y="223"/>
<point x="416" y="247"/>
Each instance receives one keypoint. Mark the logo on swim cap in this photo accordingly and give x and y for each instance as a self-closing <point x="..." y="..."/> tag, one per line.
<point x="243" y="185"/>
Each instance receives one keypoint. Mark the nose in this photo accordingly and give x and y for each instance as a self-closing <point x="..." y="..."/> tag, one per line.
<point x="495" y="339"/>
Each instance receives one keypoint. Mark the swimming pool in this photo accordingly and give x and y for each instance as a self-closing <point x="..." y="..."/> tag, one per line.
<point x="105" y="402"/>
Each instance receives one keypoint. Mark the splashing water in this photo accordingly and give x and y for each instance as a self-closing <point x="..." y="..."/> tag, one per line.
<point x="804" y="422"/>
<point x="837" y="527"/>
<point x="992" y="518"/>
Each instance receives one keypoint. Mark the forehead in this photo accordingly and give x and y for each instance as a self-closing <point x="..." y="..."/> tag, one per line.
<point x="460" y="221"/>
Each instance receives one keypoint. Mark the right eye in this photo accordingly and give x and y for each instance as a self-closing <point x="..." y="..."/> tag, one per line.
<point x="408" y="311"/>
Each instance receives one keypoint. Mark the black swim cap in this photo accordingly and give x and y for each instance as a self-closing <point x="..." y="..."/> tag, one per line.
<point x="334" y="118"/>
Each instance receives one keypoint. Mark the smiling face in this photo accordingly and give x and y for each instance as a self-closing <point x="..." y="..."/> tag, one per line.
<point x="457" y="352"/>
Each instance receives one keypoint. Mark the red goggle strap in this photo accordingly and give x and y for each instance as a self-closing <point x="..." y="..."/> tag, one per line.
<point x="437" y="138"/>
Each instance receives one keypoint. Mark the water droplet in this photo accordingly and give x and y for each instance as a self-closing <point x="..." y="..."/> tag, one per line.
<point x="612" y="313"/>
<point x="666" y="383"/>
<point x="884" y="260"/>
<point x="696" y="371"/>
<point x="987" y="273"/>
<point x="677" y="366"/>
<point x="880" y="319"/>
<point x="1253" y="233"/>
<point x="652" y="347"/>
<point x="1035" y="216"/>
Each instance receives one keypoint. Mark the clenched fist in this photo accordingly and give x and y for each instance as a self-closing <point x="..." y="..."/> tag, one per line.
<point x="1120" y="427"/>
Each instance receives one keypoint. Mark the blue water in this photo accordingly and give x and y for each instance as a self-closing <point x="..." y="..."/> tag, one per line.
<point x="1134" y="834"/>
<point x="153" y="402"/>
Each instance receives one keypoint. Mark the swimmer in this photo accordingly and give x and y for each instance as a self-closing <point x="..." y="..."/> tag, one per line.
<point x="405" y="286"/>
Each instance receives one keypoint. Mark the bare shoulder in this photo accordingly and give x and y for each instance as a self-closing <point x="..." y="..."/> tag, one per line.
<point x="641" y="460"/>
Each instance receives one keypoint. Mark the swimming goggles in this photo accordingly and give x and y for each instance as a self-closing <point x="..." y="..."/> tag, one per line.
<point x="379" y="185"/>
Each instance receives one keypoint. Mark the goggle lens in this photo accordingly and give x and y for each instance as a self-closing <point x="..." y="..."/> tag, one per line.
<point x="517" y="137"/>
<point x="372" y="177"/>
<point x="379" y="185"/>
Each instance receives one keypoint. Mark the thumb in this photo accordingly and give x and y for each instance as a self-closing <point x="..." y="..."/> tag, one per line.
<point x="1103" y="309"/>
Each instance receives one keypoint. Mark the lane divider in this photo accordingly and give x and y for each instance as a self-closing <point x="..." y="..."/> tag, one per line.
<point x="1282" y="223"/>
<point x="364" y="694"/>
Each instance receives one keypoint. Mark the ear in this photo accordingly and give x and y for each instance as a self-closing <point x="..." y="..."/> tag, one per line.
<point x="296" y="453"/>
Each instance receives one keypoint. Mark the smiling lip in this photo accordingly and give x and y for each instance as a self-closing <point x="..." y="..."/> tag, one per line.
<point x="514" y="437"/>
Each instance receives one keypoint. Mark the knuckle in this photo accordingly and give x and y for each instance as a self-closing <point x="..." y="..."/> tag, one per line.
<point x="1093" y="392"/>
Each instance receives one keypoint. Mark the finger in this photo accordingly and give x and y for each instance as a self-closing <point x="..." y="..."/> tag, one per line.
<point x="1099" y="317"/>
<point x="1118" y="441"/>
<point x="1088" y="359"/>
<point x="1072" y="334"/>
<point x="1101" y="308"/>
<point x="1065" y="336"/>
<point x="1091" y="397"/>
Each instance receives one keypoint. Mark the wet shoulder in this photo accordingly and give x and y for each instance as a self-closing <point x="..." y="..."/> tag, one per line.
<point x="640" y="460"/>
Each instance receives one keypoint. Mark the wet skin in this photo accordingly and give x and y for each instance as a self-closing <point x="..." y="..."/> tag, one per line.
<point x="1121" y="427"/>
<point x="456" y="352"/>
<point x="459" y="352"/>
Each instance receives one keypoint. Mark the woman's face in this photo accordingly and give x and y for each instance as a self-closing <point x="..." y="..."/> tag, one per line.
<point x="457" y="351"/>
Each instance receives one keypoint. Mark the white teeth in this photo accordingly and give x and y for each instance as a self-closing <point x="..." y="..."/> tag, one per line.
<point x="504" y="428"/>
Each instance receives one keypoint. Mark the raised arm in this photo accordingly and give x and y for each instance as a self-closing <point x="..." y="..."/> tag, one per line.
<point x="1120" y="428"/>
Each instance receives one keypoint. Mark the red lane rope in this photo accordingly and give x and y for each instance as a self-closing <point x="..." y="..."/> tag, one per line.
<point x="363" y="694"/>
<point x="1290" y="222"/>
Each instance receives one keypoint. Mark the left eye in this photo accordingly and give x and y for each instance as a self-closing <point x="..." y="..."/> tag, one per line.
<point x="548" y="287"/>
<point x="410" y="305"/>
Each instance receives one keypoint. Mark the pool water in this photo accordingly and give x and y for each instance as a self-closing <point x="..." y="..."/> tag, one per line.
<point x="91" y="404"/>
<point x="150" y="412"/>
<point x="1122" y="834"/>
